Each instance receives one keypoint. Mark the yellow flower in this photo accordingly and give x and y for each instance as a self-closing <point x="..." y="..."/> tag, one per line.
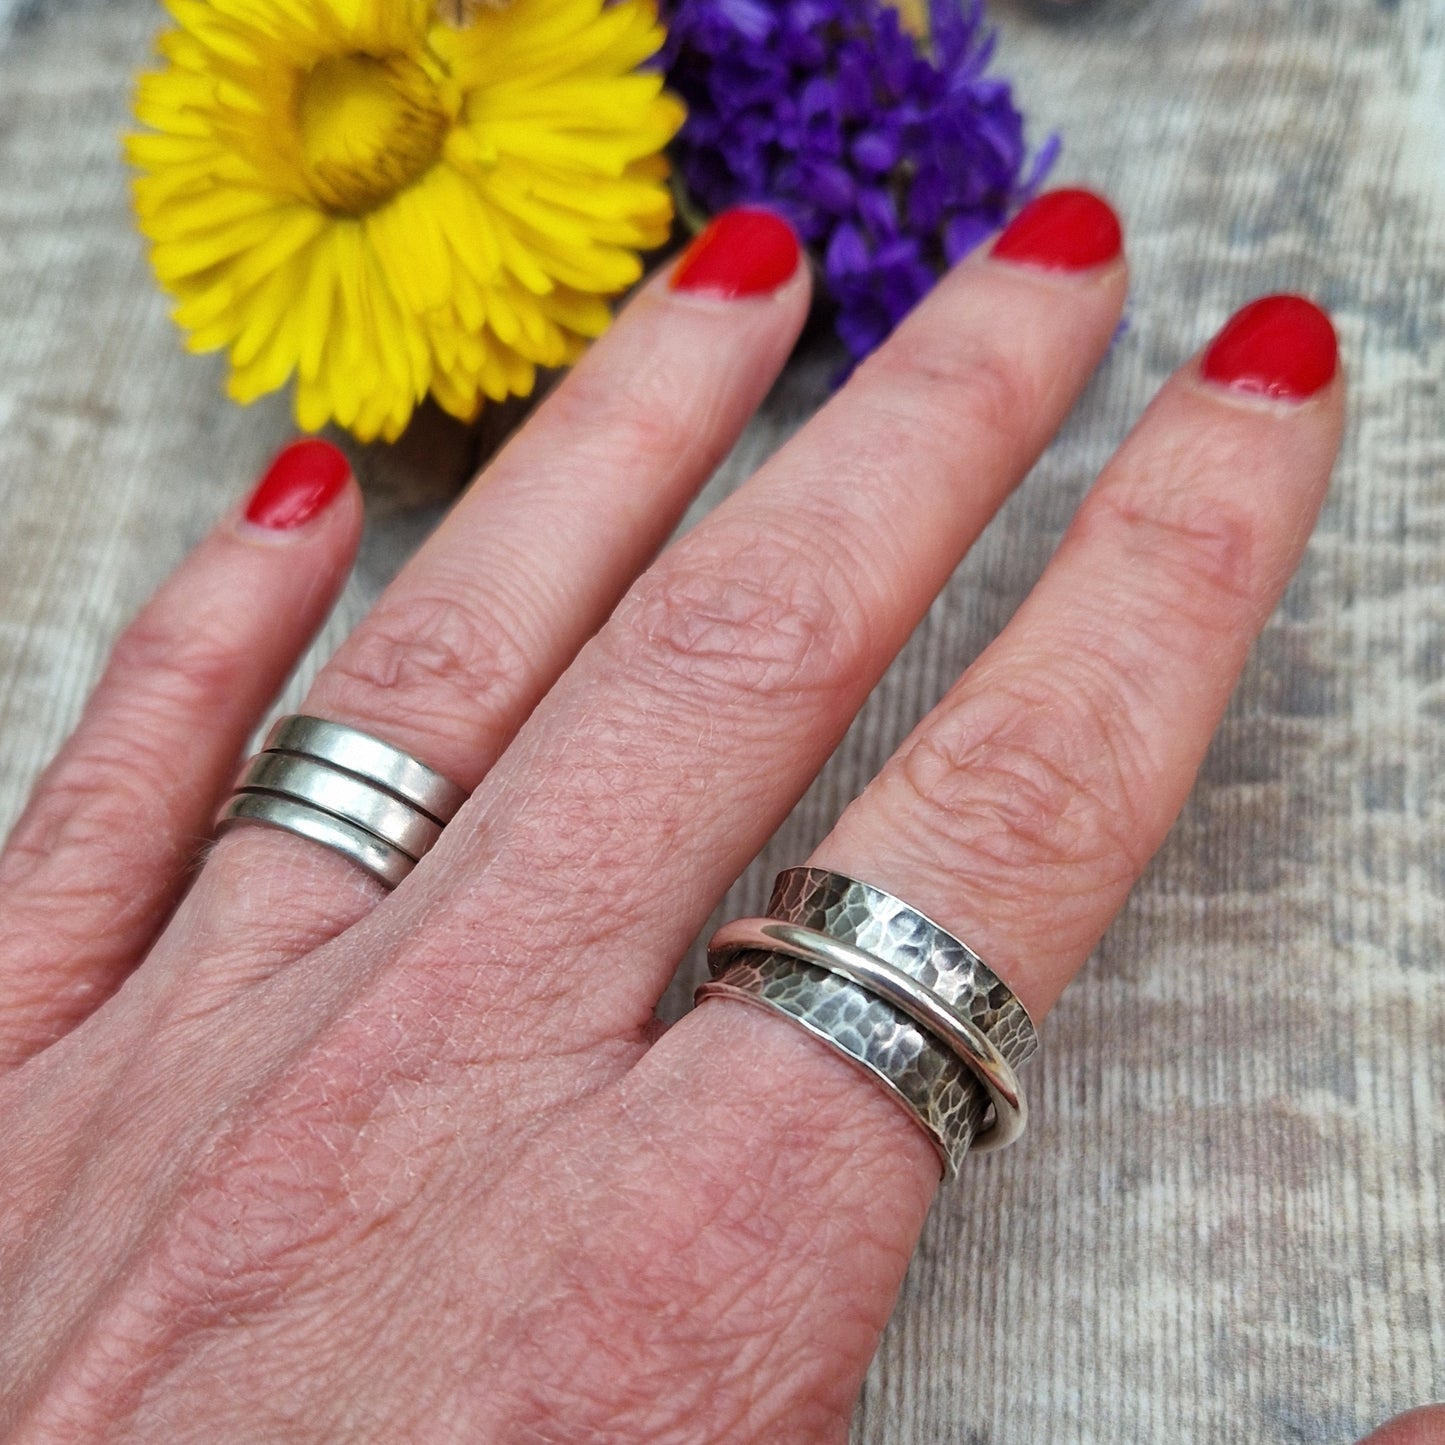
<point x="382" y="204"/>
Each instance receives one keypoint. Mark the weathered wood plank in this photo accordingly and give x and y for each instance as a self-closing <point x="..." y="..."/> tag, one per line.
<point x="1227" y="1222"/>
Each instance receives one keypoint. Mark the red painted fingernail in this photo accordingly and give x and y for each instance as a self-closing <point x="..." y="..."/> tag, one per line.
<point x="1282" y="347"/>
<point x="300" y="484"/>
<point x="746" y="252"/>
<point x="1062" y="231"/>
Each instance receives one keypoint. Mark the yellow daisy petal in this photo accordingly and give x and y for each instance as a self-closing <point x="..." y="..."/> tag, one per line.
<point x="356" y="195"/>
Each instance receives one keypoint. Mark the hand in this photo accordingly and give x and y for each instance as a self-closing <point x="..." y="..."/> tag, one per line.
<point x="309" y="1162"/>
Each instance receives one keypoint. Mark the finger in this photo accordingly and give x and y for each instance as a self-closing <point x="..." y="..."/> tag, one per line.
<point x="480" y="623"/>
<point x="732" y="669"/>
<point x="1022" y="809"/>
<point x="1425" y="1426"/>
<point x="1026" y="806"/>
<point x="99" y="855"/>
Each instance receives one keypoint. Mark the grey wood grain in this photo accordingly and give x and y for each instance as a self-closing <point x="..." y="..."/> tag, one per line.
<point x="1226" y="1224"/>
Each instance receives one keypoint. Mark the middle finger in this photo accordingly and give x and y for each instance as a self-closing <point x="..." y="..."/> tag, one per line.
<point x="689" y="727"/>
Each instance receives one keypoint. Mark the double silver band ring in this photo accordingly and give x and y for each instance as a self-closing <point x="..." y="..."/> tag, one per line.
<point x="895" y="994"/>
<point x="348" y="791"/>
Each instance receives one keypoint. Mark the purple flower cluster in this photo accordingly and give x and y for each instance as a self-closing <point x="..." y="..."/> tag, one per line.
<point x="892" y="156"/>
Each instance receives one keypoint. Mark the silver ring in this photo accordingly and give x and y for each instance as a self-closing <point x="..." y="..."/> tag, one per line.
<point x="377" y="762"/>
<point x="389" y="864"/>
<point x="406" y="828"/>
<point x="900" y="997"/>
<point x="347" y="790"/>
<point x="921" y="1075"/>
<point x="974" y="1047"/>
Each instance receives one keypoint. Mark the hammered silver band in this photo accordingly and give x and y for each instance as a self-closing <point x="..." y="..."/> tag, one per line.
<point x="347" y="790"/>
<point x="895" y="994"/>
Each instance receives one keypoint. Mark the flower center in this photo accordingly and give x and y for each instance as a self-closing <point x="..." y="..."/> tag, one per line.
<point x="915" y="17"/>
<point x="369" y="125"/>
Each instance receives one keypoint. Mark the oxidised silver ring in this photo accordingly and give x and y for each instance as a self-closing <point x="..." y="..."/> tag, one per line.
<point x="894" y="993"/>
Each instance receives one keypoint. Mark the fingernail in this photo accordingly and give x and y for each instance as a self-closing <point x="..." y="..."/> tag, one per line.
<point x="1280" y="347"/>
<point x="300" y="484"/>
<point x="1062" y="231"/>
<point x="745" y="252"/>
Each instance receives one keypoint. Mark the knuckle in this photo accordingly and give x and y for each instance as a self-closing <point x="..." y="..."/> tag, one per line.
<point x="247" y="1227"/>
<point x="698" y="1252"/>
<point x="188" y="664"/>
<point x="85" y="815"/>
<point x="721" y="622"/>
<point x="632" y="413"/>
<point x="232" y="1269"/>
<point x="1201" y="548"/>
<point x="1028" y="781"/>
<point x="304" y="1174"/>
<point x="451" y="658"/>
<point x="955" y="387"/>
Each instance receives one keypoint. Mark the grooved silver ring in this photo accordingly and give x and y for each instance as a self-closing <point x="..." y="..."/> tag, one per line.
<point x="370" y="758"/>
<point x="353" y="793"/>
<point x="406" y="828"/>
<point x="379" y="858"/>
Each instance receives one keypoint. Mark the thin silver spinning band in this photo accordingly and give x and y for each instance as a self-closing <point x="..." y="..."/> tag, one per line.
<point x="349" y="791"/>
<point x="892" y="992"/>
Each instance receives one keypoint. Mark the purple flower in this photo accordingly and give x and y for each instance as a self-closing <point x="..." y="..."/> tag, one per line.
<point x="893" y="157"/>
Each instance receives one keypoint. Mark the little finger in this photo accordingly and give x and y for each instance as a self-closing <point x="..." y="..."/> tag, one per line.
<point x="101" y="852"/>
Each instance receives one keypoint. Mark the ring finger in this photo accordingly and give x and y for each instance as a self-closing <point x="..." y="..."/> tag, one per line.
<point x="1019" y="814"/>
<point x="481" y="622"/>
<point x="159" y="739"/>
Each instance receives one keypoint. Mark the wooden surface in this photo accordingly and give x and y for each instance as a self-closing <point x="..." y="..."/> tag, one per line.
<point x="1226" y="1223"/>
